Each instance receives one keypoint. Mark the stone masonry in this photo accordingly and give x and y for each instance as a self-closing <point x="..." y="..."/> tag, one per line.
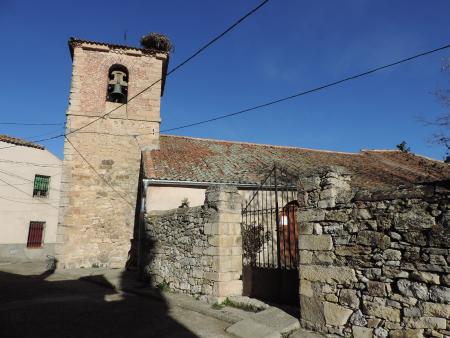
<point x="197" y="250"/>
<point x="373" y="263"/>
<point x="97" y="218"/>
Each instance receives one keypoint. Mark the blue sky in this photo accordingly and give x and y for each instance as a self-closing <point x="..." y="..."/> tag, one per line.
<point x="286" y="47"/>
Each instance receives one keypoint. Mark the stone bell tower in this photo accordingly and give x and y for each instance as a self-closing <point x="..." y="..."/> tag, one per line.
<point x="102" y="161"/>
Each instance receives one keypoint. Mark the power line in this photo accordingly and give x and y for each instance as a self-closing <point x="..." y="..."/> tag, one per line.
<point x="16" y="145"/>
<point x="30" y="124"/>
<point x="229" y="29"/>
<point x="24" y="201"/>
<point x="286" y="98"/>
<point x="22" y="178"/>
<point x="199" y="51"/>
<point x="23" y="192"/>
<point x="331" y="84"/>
<point x="44" y="134"/>
<point x="31" y="163"/>
<point x="220" y="117"/>
<point x="176" y="67"/>
<point x="97" y="173"/>
<point x="16" y="184"/>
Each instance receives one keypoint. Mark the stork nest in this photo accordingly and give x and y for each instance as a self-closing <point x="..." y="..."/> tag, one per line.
<point x="157" y="42"/>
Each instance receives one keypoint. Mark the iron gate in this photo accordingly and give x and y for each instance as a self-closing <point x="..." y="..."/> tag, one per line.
<point x="270" y="238"/>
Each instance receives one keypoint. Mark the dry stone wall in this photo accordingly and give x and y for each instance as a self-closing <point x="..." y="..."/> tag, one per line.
<point x="373" y="263"/>
<point x="197" y="250"/>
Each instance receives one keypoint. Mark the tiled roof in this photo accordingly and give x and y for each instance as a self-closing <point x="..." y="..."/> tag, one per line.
<point x="19" y="142"/>
<point x="204" y="160"/>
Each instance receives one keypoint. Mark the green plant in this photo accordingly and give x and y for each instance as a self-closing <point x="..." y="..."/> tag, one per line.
<point x="253" y="239"/>
<point x="184" y="203"/>
<point x="227" y="302"/>
<point x="245" y="307"/>
<point x="217" y="306"/>
<point x="163" y="286"/>
<point x="403" y="147"/>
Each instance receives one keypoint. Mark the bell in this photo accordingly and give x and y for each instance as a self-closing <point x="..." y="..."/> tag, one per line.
<point x="117" y="92"/>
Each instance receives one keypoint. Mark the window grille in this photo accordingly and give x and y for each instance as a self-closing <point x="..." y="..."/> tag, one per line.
<point x="41" y="185"/>
<point x="35" y="234"/>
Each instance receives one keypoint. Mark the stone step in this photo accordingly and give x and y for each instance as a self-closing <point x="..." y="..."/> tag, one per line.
<point x="277" y="319"/>
<point x="250" y="304"/>
<point x="249" y="328"/>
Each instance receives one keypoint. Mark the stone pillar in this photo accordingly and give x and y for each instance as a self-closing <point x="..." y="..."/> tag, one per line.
<point x="224" y="237"/>
<point x="320" y="197"/>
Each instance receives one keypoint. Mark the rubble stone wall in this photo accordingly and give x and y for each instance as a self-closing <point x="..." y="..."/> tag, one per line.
<point x="197" y="250"/>
<point x="373" y="264"/>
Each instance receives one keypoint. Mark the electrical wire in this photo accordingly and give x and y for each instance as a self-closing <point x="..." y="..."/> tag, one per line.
<point x="24" y="192"/>
<point x="24" y="201"/>
<point x="199" y="51"/>
<point x="23" y="178"/>
<point x="220" y="117"/>
<point x="286" y="98"/>
<point x="31" y="163"/>
<point x="31" y="124"/>
<point x="309" y="91"/>
<point x="97" y="173"/>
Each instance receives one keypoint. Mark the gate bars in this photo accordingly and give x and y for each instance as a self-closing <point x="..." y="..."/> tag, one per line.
<point x="269" y="225"/>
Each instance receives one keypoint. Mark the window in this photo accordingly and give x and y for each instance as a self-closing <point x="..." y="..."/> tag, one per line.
<point x="35" y="234"/>
<point x="117" y="84"/>
<point x="41" y="185"/>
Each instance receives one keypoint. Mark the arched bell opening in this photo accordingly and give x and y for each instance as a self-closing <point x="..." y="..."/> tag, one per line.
<point x="117" y="90"/>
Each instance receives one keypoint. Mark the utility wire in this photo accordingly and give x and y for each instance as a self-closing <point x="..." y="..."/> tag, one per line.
<point x="139" y="93"/>
<point x="31" y="124"/>
<point x="176" y="67"/>
<point x="309" y="91"/>
<point x="31" y="163"/>
<point x="97" y="173"/>
<point x="331" y="84"/>
<point x="24" y="201"/>
<point x="220" y="117"/>
<point x="200" y="50"/>
<point x="24" y="192"/>
<point x="23" y="178"/>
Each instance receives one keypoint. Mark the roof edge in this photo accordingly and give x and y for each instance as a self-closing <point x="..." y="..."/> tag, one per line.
<point x="260" y="144"/>
<point x="20" y="142"/>
<point x="73" y="41"/>
<point x="189" y="183"/>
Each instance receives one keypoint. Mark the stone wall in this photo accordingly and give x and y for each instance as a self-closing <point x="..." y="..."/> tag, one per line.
<point x="197" y="250"/>
<point x="373" y="263"/>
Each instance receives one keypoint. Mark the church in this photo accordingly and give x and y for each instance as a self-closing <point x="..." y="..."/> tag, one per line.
<point x="117" y="166"/>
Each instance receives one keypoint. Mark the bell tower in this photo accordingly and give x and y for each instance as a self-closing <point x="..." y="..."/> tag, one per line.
<point x="106" y="130"/>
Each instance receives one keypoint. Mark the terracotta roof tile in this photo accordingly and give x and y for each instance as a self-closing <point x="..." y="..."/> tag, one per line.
<point x="20" y="142"/>
<point x="205" y="160"/>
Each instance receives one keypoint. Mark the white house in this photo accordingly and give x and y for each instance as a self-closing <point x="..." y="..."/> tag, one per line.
<point x="29" y="200"/>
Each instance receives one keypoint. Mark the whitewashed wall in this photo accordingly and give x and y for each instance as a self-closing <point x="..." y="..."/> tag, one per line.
<point x="18" y="206"/>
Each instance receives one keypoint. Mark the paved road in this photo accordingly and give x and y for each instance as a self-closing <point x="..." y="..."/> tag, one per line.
<point x="31" y="306"/>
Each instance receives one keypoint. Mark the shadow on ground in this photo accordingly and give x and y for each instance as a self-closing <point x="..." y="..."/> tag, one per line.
<point x="31" y="306"/>
<point x="62" y="304"/>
